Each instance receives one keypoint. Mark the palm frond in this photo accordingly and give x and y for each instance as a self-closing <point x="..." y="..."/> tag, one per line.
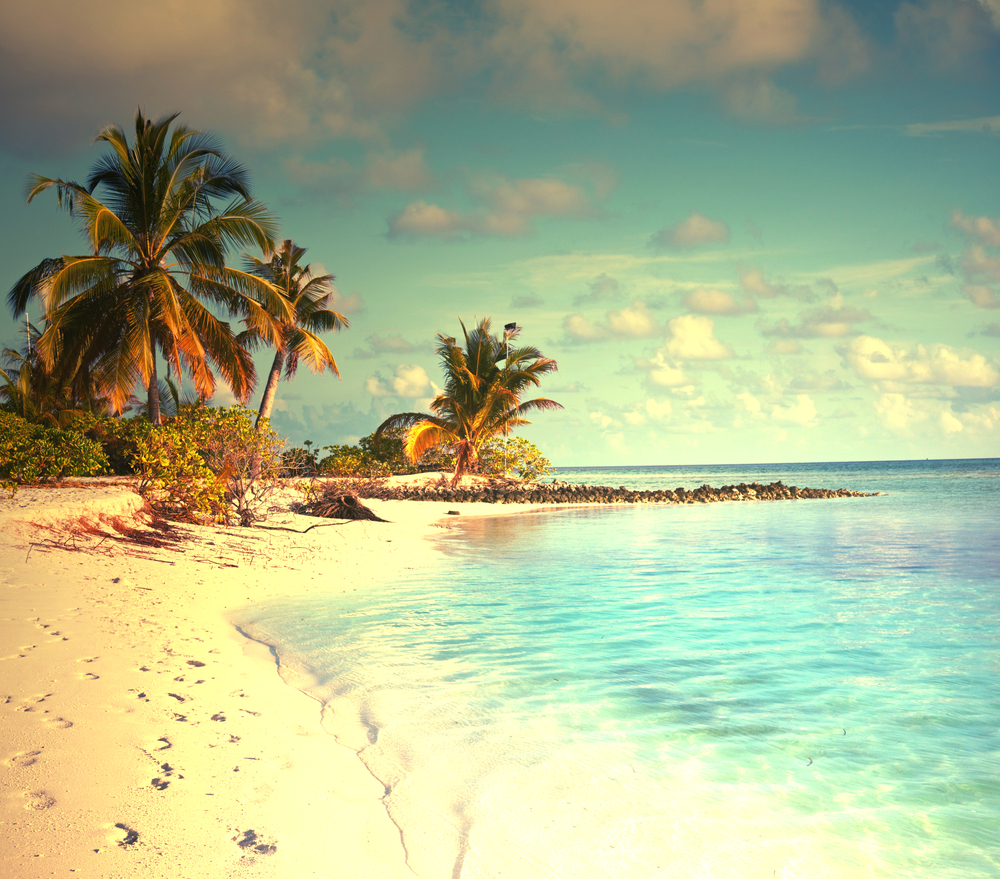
<point x="305" y="346"/>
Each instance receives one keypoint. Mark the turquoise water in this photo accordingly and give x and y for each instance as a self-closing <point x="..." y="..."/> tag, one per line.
<point x="791" y="689"/>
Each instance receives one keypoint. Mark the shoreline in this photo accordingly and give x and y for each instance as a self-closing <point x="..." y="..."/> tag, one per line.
<point x="143" y="734"/>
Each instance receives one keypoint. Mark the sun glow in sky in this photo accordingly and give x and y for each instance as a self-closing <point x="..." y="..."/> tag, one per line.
<point x="747" y="230"/>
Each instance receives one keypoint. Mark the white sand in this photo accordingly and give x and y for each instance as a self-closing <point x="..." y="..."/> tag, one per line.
<point x="141" y="735"/>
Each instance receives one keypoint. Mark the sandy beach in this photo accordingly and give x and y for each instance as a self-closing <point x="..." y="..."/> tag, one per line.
<point x="140" y="733"/>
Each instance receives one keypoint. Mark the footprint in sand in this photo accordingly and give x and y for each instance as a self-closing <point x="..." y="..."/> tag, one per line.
<point x="252" y="841"/>
<point x="38" y="697"/>
<point x="25" y="758"/>
<point x="58" y="722"/>
<point x="131" y="837"/>
<point x="89" y="676"/>
<point x="88" y="658"/>
<point x="37" y="800"/>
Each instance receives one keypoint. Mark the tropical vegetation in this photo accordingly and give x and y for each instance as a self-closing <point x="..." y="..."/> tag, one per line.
<point x="158" y="239"/>
<point x="485" y="379"/>
<point x="161" y="215"/>
<point x="307" y="298"/>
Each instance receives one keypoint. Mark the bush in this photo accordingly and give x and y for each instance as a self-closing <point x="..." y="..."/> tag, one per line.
<point x="352" y="461"/>
<point x="513" y="456"/>
<point x="30" y="452"/>
<point x="118" y="437"/>
<point x="209" y="464"/>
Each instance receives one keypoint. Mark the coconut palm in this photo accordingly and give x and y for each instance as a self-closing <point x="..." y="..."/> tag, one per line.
<point x="306" y="297"/>
<point x="484" y="383"/>
<point x="158" y="245"/>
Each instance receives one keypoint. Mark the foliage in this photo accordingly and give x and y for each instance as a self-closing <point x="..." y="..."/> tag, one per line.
<point x="31" y="452"/>
<point x="513" y="456"/>
<point x="157" y="246"/>
<point x="209" y="464"/>
<point x="484" y="383"/>
<point x="119" y="438"/>
<point x="298" y="462"/>
<point x="306" y="299"/>
<point x="351" y="461"/>
<point x="42" y="395"/>
<point x="388" y="447"/>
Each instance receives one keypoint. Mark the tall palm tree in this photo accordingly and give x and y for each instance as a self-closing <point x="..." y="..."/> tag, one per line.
<point x="306" y="297"/>
<point x="158" y="244"/>
<point x="484" y="383"/>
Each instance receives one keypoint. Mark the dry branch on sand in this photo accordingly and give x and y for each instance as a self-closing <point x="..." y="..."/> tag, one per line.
<point x="336" y="503"/>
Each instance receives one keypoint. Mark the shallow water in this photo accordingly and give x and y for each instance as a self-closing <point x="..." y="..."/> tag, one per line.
<point x="797" y="689"/>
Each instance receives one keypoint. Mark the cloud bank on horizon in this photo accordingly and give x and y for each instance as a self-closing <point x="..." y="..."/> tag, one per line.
<point x="747" y="229"/>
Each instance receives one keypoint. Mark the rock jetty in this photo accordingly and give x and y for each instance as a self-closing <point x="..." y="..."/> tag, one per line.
<point x="504" y="492"/>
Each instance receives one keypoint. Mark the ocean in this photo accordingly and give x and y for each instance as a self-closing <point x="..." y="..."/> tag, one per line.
<point x="798" y="689"/>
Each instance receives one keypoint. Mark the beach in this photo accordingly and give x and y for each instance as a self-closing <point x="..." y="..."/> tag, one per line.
<point x="802" y="689"/>
<point x="142" y="734"/>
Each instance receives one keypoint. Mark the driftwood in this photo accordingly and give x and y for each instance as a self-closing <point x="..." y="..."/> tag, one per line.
<point x="335" y="503"/>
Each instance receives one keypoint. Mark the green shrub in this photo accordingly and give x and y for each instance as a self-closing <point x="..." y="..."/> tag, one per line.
<point x="30" y="452"/>
<point x="209" y="464"/>
<point x="118" y="437"/>
<point x="513" y="456"/>
<point x="352" y="461"/>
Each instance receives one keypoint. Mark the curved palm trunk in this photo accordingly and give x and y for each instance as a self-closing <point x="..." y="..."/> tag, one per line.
<point x="271" y="388"/>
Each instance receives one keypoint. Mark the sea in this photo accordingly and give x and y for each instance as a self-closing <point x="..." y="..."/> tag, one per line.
<point x="805" y="688"/>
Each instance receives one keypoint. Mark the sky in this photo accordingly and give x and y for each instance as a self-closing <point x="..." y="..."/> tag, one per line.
<point x="747" y="230"/>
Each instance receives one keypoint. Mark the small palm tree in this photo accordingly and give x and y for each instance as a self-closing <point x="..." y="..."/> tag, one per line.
<point x="306" y="297"/>
<point x="158" y="245"/>
<point x="484" y="383"/>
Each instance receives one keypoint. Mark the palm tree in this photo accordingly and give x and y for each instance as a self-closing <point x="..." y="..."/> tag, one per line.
<point x="306" y="297"/>
<point x="484" y="383"/>
<point x="158" y="245"/>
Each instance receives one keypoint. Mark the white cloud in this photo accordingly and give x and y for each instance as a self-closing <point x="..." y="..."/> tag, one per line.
<point x="709" y="300"/>
<point x="406" y="171"/>
<point x="634" y="322"/>
<point x="753" y="282"/>
<point x="749" y="402"/>
<point x="985" y="124"/>
<point x="832" y="322"/>
<point x="349" y="303"/>
<point x="802" y="412"/>
<point x="982" y="295"/>
<point x="920" y="417"/>
<point x="884" y="363"/>
<point x="603" y="421"/>
<point x="420" y="219"/>
<point x="785" y="346"/>
<point x="506" y="208"/>
<point x="580" y="329"/>
<point x="985" y="230"/>
<point x="692" y="232"/>
<point x="409" y="381"/>
<point x="691" y="338"/>
<point x="649" y="410"/>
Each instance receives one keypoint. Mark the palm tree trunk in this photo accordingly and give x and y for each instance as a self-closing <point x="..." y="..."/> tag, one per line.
<point x="271" y="388"/>
<point x="153" y="396"/>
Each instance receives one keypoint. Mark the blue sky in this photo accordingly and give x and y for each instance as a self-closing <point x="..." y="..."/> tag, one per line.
<point x="747" y="230"/>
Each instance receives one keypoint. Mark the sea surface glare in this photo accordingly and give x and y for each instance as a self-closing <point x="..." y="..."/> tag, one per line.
<point x="778" y="689"/>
